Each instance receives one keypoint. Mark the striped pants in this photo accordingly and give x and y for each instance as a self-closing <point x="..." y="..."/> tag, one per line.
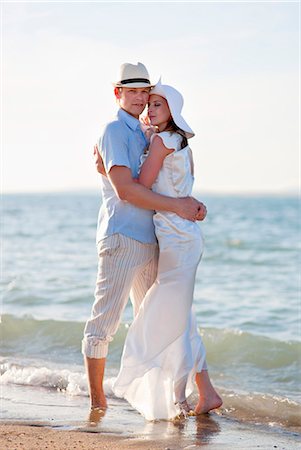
<point x="126" y="268"/>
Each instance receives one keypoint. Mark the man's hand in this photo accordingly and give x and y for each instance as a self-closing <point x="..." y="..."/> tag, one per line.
<point x="191" y="209"/>
<point x="98" y="161"/>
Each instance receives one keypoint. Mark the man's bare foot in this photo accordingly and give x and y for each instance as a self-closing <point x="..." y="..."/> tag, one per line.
<point x="95" y="416"/>
<point x="207" y="404"/>
<point x="99" y="402"/>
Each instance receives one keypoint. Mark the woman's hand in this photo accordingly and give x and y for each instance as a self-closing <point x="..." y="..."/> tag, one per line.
<point x="145" y="122"/>
<point x="146" y="127"/>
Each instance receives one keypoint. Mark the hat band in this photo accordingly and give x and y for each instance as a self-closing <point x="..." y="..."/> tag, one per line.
<point x="135" y="80"/>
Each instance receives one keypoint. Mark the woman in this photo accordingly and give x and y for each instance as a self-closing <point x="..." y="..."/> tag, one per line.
<point x="163" y="350"/>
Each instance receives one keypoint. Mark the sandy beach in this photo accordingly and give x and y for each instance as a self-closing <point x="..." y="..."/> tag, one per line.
<point x="211" y="431"/>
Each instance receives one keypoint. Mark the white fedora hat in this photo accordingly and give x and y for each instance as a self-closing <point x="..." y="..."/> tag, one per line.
<point x="175" y="102"/>
<point x="133" y="76"/>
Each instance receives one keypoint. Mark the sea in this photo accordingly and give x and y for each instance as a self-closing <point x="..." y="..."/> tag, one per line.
<point x="246" y="297"/>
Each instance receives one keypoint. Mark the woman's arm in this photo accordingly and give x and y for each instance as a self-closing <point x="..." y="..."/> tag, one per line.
<point x="153" y="163"/>
<point x="129" y="190"/>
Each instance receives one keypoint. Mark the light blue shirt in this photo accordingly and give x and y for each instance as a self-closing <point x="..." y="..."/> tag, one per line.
<point x="121" y="144"/>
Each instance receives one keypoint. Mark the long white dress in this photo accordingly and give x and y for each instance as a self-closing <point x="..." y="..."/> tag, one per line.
<point x="163" y="349"/>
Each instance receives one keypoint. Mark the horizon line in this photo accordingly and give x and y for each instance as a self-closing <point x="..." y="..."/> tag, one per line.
<point x="296" y="192"/>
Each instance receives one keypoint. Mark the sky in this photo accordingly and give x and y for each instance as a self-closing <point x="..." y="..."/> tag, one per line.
<point x="236" y="64"/>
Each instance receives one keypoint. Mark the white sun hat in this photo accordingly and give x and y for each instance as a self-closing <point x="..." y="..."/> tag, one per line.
<point x="133" y="76"/>
<point x="175" y="102"/>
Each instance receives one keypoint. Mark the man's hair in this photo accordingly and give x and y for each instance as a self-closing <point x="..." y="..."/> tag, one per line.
<point x="120" y="88"/>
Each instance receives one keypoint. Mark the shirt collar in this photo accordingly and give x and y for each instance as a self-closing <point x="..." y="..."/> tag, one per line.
<point x="131" y="121"/>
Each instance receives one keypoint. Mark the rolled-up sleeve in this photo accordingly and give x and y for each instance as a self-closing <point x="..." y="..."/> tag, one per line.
<point x="113" y="146"/>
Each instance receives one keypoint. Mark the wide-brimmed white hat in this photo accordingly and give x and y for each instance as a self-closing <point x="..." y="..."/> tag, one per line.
<point x="133" y="76"/>
<point x="175" y="102"/>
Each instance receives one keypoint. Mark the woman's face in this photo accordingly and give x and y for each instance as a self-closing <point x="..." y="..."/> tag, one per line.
<point x="158" y="111"/>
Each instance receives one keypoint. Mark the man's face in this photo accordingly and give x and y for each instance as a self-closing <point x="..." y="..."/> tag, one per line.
<point x="133" y="101"/>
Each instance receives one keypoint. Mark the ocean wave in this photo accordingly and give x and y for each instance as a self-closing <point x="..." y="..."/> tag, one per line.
<point x="230" y="345"/>
<point x="224" y="346"/>
<point x="272" y="410"/>
<point x="27" y="330"/>
<point x="73" y="383"/>
<point x="54" y="340"/>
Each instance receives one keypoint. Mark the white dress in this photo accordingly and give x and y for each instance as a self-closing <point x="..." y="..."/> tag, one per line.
<point x="163" y="349"/>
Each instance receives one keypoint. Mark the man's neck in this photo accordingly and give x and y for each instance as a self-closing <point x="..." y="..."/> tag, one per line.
<point x="136" y="117"/>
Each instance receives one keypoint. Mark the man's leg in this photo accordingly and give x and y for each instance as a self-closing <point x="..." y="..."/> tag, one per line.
<point x="95" y="369"/>
<point x="144" y="279"/>
<point x="114" y="279"/>
<point x="120" y="258"/>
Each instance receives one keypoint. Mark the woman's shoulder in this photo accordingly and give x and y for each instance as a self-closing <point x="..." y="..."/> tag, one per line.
<point x="170" y="139"/>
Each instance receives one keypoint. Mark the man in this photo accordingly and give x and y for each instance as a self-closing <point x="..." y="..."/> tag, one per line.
<point x="127" y="246"/>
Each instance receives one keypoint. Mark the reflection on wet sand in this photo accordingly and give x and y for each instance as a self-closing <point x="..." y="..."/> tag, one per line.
<point x="207" y="428"/>
<point x="199" y="429"/>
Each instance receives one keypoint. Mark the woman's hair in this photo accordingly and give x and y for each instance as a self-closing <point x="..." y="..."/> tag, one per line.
<point x="173" y="127"/>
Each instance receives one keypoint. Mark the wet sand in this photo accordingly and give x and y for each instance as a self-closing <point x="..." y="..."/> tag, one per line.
<point x="209" y="431"/>
<point x="38" y="419"/>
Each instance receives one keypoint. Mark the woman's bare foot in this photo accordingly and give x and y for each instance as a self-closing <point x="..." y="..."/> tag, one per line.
<point x="184" y="407"/>
<point x="206" y="404"/>
<point x="208" y="397"/>
<point x="185" y="410"/>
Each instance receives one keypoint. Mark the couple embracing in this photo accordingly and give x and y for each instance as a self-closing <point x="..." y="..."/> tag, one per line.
<point x="149" y="246"/>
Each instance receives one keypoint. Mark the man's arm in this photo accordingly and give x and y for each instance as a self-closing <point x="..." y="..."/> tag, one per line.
<point x="127" y="190"/>
<point x="98" y="161"/>
<point x="188" y="208"/>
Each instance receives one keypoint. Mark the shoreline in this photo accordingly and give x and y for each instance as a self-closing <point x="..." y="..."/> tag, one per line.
<point x="211" y="430"/>
<point x="38" y="418"/>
